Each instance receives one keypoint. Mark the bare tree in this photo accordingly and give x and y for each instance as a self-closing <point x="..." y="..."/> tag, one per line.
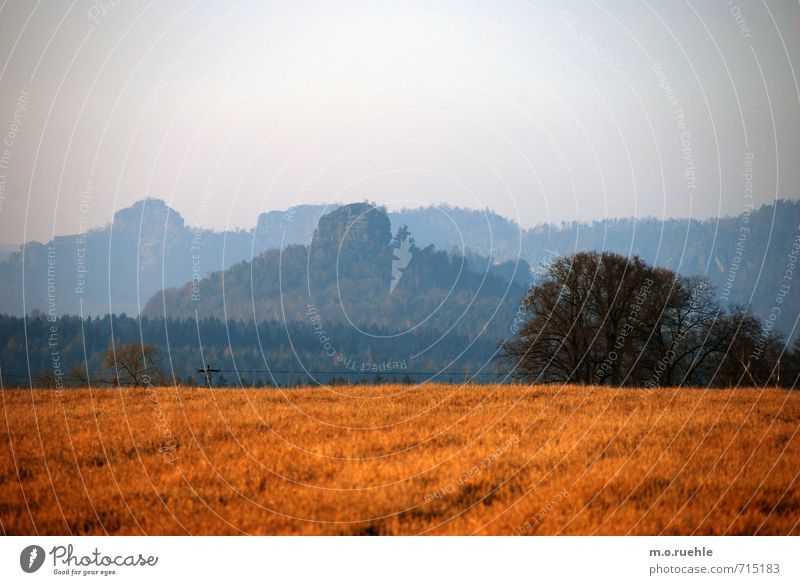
<point x="133" y="363"/>
<point x="77" y="377"/>
<point x="548" y="345"/>
<point x="601" y="318"/>
<point x="753" y="356"/>
<point x="582" y="318"/>
<point x="679" y="325"/>
<point x="791" y="375"/>
<point x="620" y="294"/>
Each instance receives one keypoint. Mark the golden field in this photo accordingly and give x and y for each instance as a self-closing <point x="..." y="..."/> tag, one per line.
<point x="433" y="459"/>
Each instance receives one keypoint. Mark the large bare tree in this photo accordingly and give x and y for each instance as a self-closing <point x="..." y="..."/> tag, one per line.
<point x="602" y="318"/>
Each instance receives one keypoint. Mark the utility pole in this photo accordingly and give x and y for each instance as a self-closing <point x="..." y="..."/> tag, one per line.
<point x="208" y="370"/>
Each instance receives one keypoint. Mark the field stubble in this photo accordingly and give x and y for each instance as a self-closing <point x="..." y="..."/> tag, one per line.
<point x="434" y="459"/>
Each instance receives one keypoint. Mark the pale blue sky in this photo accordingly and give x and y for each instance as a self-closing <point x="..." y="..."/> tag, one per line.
<point x="542" y="111"/>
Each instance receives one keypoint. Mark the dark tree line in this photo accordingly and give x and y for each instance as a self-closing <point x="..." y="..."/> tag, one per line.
<point x="123" y="349"/>
<point x="605" y="319"/>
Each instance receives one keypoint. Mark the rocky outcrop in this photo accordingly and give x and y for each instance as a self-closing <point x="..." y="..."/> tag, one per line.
<point x="360" y="223"/>
<point x="351" y="248"/>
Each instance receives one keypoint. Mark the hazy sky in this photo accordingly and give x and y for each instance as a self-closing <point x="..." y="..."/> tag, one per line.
<point x="541" y="111"/>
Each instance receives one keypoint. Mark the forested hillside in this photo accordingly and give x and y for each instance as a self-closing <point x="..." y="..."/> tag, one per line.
<point x="149" y="247"/>
<point x="345" y="275"/>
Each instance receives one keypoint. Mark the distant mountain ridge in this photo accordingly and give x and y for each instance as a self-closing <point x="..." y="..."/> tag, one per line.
<point x="148" y="247"/>
<point x="345" y="275"/>
<point x="115" y="269"/>
<point x="6" y="250"/>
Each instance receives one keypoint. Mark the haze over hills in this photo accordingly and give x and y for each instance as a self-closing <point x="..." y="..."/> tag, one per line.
<point x="352" y="272"/>
<point x="356" y="300"/>
<point x="148" y="248"/>
<point x="363" y="294"/>
<point x="6" y="250"/>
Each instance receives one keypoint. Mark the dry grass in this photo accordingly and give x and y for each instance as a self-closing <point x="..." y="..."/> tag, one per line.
<point x="435" y="459"/>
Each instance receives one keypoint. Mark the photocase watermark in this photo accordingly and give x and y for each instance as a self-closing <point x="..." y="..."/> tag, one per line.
<point x="55" y="358"/>
<point x="53" y="338"/>
<point x="687" y="155"/>
<point x="80" y="240"/>
<point x="319" y="331"/>
<point x="569" y="22"/>
<point x="197" y="239"/>
<point x="744" y="229"/>
<point x="370" y="367"/>
<point x="10" y="137"/>
<point x="532" y="524"/>
<point x="474" y="471"/>
<point x="100" y="9"/>
<point x="539" y="271"/>
<point x="627" y="329"/>
<point x="52" y="313"/>
<point x="741" y="22"/>
<point x="784" y="288"/>
<point x="520" y="317"/>
<point x="169" y="447"/>
<point x="349" y="364"/>
<point x="185" y="53"/>
<point x="669" y="355"/>
<point x="747" y="174"/>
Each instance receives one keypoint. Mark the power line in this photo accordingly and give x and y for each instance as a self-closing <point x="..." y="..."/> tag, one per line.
<point x="395" y="373"/>
<point x="309" y="372"/>
<point x="96" y="377"/>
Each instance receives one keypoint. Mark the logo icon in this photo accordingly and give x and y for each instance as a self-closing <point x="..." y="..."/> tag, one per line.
<point x="31" y="558"/>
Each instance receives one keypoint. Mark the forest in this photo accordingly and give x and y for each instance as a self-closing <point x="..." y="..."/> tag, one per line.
<point x="361" y="303"/>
